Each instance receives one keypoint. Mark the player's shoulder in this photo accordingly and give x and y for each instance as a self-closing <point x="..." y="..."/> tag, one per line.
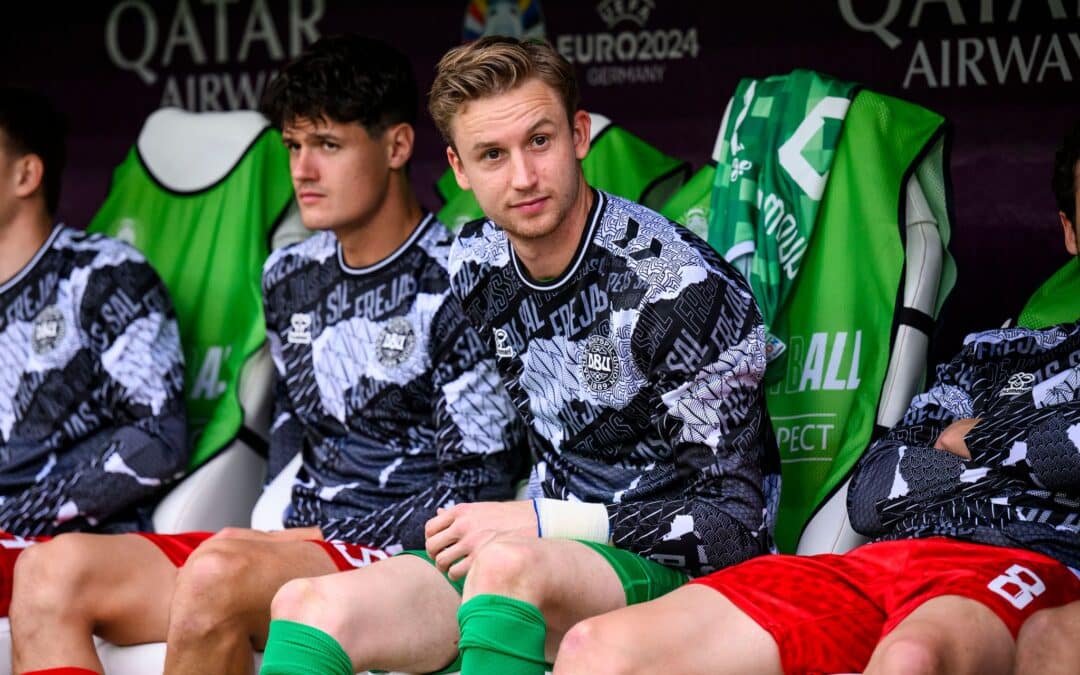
<point x="315" y="249"/>
<point x="1042" y="339"/>
<point x="435" y="239"/>
<point x="100" y="248"/>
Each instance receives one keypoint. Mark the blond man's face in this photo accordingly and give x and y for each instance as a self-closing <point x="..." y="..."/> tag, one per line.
<point x="521" y="157"/>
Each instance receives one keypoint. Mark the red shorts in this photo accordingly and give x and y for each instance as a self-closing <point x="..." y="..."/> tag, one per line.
<point x="828" y="612"/>
<point x="10" y="548"/>
<point x="177" y="548"/>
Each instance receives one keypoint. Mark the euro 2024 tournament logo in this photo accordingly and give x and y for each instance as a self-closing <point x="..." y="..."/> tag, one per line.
<point x="520" y="19"/>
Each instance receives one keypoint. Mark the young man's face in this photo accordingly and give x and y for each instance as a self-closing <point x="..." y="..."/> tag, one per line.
<point x="339" y="172"/>
<point x="521" y="157"/>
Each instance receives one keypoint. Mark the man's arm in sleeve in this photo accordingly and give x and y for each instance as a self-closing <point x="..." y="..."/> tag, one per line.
<point x="712" y="415"/>
<point x="1038" y="445"/>
<point x="480" y="444"/>
<point x="286" y="431"/>
<point x="142" y="447"/>
<point x="903" y="472"/>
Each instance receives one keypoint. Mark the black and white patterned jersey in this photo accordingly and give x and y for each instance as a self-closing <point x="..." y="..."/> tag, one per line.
<point x="92" y="422"/>
<point x="386" y="389"/>
<point x="1021" y="487"/>
<point x="638" y="371"/>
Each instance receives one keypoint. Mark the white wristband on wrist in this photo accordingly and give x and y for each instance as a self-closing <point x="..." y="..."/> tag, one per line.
<point x="558" y="519"/>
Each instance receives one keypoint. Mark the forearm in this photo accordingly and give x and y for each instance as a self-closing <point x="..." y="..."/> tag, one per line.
<point x="1039" y="445"/>
<point x="697" y="535"/>
<point x="894" y="479"/>
<point x="398" y="525"/>
<point x="135" y="463"/>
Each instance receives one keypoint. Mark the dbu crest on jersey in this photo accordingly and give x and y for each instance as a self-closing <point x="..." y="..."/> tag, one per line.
<point x="395" y="343"/>
<point x="599" y="363"/>
<point x="48" y="329"/>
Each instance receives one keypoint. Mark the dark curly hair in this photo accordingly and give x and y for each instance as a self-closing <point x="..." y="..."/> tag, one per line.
<point x="346" y="78"/>
<point x="32" y="126"/>
<point x="1064" y="181"/>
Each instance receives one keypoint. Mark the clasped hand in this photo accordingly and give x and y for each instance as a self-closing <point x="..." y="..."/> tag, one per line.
<point x="457" y="532"/>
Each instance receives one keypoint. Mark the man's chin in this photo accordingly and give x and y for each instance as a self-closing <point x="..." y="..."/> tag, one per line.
<point x="529" y="230"/>
<point x="316" y="224"/>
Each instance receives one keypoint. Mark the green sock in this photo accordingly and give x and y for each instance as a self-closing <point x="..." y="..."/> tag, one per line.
<point x="501" y="635"/>
<point x="298" y="649"/>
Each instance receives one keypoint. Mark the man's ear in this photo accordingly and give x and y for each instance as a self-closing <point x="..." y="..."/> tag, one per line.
<point x="399" y="147"/>
<point x="582" y="123"/>
<point x="1069" y="231"/>
<point x="29" y="173"/>
<point x="458" y="167"/>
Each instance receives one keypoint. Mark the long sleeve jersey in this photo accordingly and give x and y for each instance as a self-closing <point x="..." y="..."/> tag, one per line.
<point x="385" y="389"/>
<point x="1021" y="487"/>
<point x="92" y="423"/>
<point x="638" y="370"/>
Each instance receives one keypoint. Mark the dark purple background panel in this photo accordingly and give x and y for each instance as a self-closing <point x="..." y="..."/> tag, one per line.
<point x="1005" y="73"/>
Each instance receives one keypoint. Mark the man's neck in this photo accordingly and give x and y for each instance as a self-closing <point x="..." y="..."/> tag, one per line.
<point x="367" y="243"/>
<point x="549" y="256"/>
<point x="20" y="239"/>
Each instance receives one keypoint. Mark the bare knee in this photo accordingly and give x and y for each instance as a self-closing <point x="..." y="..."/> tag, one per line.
<point x="593" y="646"/>
<point x="232" y="533"/>
<point x="212" y="571"/>
<point x="1049" y="637"/>
<point x="54" y="577"/>
<point x="912" y="655"/>
<point x="511" y="568"/>
<point x="1046" y="629"/>
<point x="312" y="602"/>
<point x="207" y="593"/>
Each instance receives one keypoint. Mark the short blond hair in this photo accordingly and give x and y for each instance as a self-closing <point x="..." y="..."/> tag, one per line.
<point x="494" y="65"/>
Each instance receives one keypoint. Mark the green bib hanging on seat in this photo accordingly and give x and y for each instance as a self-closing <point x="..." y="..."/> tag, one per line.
<point x="1056" y="301"/>
<point x="810" y="194"/>
<point x="839" y="316"/>
<point x="208" y="245"/>
<point x="690" y="205"/>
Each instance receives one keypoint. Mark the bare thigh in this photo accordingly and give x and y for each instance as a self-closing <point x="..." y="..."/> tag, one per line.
<point x="692" y="630"/>
<point x="122" y="584"/>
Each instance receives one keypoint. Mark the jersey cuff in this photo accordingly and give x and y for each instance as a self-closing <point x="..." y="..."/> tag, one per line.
<point x="558" y="519"/>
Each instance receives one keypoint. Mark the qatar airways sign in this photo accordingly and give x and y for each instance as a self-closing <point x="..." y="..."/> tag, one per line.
<point x="986" y="42"/>
<point x="199" y="54"/>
